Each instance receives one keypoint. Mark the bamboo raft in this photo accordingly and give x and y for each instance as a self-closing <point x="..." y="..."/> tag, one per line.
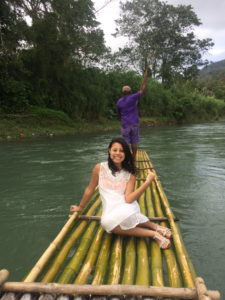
<point x="111" y="266"/>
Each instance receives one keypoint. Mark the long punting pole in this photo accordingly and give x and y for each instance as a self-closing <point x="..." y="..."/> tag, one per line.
<point x="185" y="270"/>
<point x="61" y="256"/>
<point x="147" y="68"/>
<point x="56" y="288"/>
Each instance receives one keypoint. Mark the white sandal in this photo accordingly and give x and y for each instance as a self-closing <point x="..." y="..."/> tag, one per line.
<point x="165" y="231"/>
<point x="162" y="241"/>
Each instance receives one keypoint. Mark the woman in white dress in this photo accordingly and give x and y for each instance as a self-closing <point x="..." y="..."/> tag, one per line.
<point x="121" y="212"/>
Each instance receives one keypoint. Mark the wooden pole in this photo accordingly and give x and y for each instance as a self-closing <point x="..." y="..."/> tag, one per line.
<point x="95" y="218"/>
<point x="201" y="289"/>
<point x="4" y="274"/>
<point x="147" y="68"/>
<point x="182" y="293"/>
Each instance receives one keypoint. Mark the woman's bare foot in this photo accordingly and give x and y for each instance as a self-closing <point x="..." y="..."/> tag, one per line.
<point x="164" y="229"/>
<point x="161" y="241"/>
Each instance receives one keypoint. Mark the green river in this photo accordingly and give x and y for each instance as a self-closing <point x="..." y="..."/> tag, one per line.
<point x="41" y="178"/>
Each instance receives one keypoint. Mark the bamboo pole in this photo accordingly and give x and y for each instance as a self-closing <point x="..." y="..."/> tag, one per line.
<point x="115" y="264"/>
<point x="130" y="261"/>
<point x="91" y="257"/>
<point x="4" y="274"/>
<point x="147" y="68"/>
<point x="182" y="293"/>
<point x="190" y="263"/>
<point x="61" y="256"/>
<point x="201" y="289"/>
<point x="102" y="262"/>
<point x="185" y="271"/>
<point x="72" y="267"/>
<point x="51" y="249"/>
<point x="157" y="272"/>
<point x="155" y="219"/>
<point x="143" y="274"/>
<point x="172" y="266"/>
<point x="84" y="211"/>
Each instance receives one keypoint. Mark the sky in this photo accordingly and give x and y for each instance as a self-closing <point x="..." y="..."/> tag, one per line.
<point x="211" y="13"/>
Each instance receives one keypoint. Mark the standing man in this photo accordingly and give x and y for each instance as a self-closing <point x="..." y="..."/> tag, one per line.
<point x="127" y="110"/>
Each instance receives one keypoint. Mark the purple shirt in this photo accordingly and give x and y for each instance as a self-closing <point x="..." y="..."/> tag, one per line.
<point x="127" y="107"/>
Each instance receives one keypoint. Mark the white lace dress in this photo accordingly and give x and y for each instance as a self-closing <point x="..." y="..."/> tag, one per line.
<point x="116" y="211"/>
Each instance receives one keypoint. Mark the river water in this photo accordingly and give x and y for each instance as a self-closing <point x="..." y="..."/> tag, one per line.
<point x="41" y="178"/>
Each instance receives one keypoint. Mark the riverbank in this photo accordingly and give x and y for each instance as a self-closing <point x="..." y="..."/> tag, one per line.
<point x="46" y="122"/>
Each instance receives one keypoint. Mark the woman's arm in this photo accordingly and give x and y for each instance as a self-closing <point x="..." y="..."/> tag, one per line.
<point x="89" y="190"/>
<point x="130" y="194"/>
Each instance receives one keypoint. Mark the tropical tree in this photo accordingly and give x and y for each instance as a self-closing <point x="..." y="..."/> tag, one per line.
<point x="165" y="29"/>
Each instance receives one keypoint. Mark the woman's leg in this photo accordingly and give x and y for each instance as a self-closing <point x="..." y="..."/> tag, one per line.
<point x="153" y="226"/>
<point x="141" y="232"/>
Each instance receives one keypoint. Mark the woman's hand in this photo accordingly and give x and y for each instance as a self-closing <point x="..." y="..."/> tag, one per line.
<point x="75" y="208"/>
<point x="150" y="177"/>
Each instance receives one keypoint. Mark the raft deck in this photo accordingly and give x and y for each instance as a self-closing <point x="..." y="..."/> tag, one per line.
<point x="106" y="265"/>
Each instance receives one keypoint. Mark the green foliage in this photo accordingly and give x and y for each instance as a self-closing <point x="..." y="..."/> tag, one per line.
<point x="165" y="29"/>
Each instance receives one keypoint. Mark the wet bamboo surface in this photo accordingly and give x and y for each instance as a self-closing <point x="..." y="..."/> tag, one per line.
<point x="89" y="255"/>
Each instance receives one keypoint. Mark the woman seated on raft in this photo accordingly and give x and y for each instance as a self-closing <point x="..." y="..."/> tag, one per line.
<point x="121" y="212"/>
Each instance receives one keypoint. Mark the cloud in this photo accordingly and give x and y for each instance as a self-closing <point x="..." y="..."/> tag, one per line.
<point x="211" y="14"/>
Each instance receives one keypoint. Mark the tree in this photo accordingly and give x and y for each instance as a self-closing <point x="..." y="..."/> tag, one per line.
<point x="165" y="29"/>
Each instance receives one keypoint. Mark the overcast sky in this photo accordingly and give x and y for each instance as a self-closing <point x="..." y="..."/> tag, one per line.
<point x="211" y="13"/>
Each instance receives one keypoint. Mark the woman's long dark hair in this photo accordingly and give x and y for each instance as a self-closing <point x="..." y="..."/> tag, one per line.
<point x="128" y="163"/>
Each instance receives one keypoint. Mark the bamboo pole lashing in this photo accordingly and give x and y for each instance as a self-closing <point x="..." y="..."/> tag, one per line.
<point x="155" y="219"/>
<point x="51" y="288"/>
<point x="201" y="289"/>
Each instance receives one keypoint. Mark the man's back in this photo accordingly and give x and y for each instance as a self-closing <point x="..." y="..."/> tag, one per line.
<point x="127" y="107"/>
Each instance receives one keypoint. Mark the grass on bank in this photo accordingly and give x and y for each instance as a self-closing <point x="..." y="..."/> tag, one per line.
<point x="46" y="122"/>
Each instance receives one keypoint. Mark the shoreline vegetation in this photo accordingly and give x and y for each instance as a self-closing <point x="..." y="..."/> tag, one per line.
<point x="48" y="123"/>
<point x="58" y="76"/>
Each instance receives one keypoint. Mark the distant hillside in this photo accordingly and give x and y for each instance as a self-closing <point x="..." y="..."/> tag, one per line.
<point x="212" y="67"/>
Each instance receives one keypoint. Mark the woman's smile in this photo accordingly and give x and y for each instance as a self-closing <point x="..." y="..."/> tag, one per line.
<point x="117" y="153"/>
